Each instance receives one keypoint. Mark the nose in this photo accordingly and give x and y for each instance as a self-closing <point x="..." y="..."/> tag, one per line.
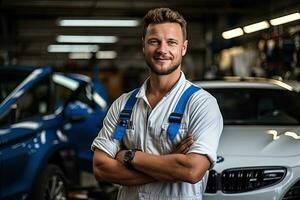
<point x="162" y="48"/>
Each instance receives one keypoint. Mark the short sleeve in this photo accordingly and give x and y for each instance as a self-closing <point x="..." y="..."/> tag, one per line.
<point x="206" y="125"/>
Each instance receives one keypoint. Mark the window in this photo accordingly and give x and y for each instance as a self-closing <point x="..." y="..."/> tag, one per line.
<point x="36" y="101"/>
<point x="258" y="106"/>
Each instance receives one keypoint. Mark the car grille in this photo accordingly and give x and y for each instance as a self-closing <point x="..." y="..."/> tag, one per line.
<point x="212" y="183"/>
<point x="244" y="179"/>
<point x="293" y="193"/>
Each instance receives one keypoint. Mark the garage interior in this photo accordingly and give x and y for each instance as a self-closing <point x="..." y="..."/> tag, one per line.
<point x="31" y="30"/>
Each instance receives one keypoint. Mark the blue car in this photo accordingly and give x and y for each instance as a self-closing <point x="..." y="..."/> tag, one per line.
<point x="47" y="123"/>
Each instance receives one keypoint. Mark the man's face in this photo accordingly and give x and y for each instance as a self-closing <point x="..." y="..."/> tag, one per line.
<point x="164" y="47"/>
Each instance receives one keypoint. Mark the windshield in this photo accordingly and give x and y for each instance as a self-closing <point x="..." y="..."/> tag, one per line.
<point x="258" y="106"/>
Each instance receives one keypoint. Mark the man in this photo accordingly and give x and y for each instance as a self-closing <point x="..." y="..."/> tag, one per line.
<point x="161" y="168"/>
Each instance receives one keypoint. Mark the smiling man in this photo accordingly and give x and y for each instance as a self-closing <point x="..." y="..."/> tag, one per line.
<point x="160" y="140"/>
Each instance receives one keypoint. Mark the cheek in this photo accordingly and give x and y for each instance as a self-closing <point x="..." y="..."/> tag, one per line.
<point x="179" y="53"/>
<point x="148" y="51"/>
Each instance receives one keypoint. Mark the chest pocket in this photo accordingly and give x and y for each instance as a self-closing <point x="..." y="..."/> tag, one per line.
<point x="124" y="117"/>
<point x="129" y="138"/>
<point x="168" y="145"/>
<point x="176" y="116"/>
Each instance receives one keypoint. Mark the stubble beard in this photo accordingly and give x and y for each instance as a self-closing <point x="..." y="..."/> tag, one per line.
<point x="163" y="72"/>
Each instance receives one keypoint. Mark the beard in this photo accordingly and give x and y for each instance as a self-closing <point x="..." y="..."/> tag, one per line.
<point x="162" y="72"/>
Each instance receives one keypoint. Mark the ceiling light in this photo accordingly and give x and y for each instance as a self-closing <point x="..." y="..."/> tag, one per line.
<point x="86" y="39"/>
<point x="285" y="19"/>
<point x="232" y="33"/>
<point x="76" y="55"/>
<point x="57" y="48"/>
<point x="256" y="27"/>
<point x="106" y="55"/>
<point x="99" y="23"/>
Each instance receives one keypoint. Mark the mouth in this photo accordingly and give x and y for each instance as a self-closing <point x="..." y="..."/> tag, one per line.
<point x="161" y="58"/>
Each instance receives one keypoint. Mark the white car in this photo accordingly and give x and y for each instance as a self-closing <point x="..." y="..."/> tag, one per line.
<point x="259" y="150"/>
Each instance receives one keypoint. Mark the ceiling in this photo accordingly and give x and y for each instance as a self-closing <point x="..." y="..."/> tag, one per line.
<point x="28" y="27"/>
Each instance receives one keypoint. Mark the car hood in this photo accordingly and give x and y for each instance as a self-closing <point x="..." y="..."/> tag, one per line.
<point x="260" y="141"/>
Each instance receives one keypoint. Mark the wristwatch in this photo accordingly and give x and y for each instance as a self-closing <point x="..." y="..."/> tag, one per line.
<point x="128" y="157"/>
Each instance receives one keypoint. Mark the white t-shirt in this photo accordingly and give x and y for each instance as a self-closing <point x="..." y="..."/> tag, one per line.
<point x="148" y="132"/>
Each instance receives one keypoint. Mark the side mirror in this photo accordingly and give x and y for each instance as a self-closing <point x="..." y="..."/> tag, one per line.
<point x="77" y="111"/>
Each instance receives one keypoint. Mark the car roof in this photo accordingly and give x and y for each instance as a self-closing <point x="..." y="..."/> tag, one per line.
<point x="249" y="82"/>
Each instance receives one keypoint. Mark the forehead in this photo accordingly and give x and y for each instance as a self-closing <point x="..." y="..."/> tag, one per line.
<point x="168" y="29"/>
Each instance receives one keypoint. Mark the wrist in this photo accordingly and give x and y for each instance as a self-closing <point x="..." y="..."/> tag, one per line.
<point x="128" y="158"/>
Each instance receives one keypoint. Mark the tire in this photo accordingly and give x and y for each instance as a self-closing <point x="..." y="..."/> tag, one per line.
<point x="51" y="184"/>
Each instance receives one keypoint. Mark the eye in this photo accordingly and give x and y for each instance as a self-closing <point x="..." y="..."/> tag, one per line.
<point x="153" y="42"/>
<point x="172" y="43"/>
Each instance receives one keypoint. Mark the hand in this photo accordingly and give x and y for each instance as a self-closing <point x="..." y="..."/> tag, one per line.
<point x="184" y="146"/>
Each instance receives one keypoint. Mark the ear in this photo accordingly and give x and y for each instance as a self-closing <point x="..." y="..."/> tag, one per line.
<point x="184" y="47"/>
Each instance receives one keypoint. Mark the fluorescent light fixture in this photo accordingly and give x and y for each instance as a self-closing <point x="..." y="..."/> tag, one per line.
<point x="58" y="48"/>
<point x="285" y="19"/>
<point x="256" y="27"/>
<point x="232" y="33"/>
<point x="99" y="55"/>
<point x="99" y="23"/>
<point x="86" y="39"/>
<point x="76" y="55"/>
<point x="106" y="55"/>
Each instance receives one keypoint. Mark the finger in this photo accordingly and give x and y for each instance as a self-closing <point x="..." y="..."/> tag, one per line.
<point x="185" y="151"/>
<point x="186" y="147"/>
<point x="185" y="143"/>
<point x="186" y="140"/>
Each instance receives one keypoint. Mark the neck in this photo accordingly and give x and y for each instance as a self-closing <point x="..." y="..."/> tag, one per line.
<point x="160" y="85"/>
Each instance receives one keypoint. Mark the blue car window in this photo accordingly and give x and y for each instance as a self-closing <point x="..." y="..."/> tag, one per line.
<point x="84" y="96"/>
<point x="35" y="102"/>
<point x="62" y="94"/>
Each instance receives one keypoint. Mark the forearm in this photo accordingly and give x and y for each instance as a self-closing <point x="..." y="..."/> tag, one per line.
<point x="110" y="170"/>
<point x="173" y="167"/>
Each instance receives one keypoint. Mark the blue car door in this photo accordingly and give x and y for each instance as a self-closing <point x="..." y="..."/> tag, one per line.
<point x="20" y="142"/>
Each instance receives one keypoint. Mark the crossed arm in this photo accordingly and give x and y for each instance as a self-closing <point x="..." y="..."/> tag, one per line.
<point x="177" y="166"/>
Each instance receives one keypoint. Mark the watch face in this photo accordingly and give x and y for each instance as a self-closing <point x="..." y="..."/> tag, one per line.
<point x="128" y="156"/>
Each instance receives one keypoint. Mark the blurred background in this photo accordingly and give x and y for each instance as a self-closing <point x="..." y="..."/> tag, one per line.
<point x="221" y="42"/>
<point x="51" y="137"/>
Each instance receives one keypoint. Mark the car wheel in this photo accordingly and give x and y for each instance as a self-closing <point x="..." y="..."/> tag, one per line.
<point x="51" y="184"/>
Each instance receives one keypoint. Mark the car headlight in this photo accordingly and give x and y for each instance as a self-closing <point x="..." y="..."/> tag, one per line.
<point x="244" y="179"/>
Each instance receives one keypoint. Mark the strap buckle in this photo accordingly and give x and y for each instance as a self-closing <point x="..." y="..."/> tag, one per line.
<point x="175" y="118"/>
<point x="124" y="118"/>
<point x="125" y="114"/>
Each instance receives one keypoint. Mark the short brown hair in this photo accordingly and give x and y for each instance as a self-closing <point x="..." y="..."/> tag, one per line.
<point x="162" y="15"/>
